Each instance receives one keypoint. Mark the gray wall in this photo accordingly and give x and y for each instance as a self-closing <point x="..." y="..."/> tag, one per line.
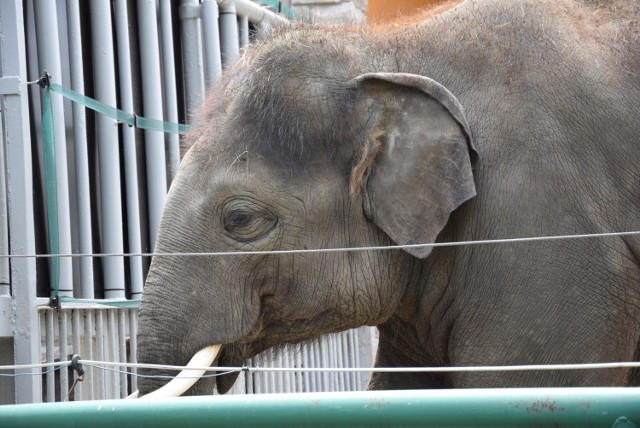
<point x="331" y="11"/>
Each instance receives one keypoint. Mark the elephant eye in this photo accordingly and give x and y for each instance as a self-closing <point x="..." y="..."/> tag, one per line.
<point x="245" y="220"/>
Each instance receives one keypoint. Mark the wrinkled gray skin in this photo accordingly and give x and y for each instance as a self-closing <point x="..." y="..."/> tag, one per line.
<point x="299" y="148"/>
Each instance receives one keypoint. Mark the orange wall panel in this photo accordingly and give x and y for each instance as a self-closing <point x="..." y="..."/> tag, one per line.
<point x="379" y="11"/>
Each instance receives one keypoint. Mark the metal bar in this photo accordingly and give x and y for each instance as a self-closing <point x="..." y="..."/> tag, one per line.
<point x="256" y="13"/>
<point x="314" y="361"/>
<point x="354" y="379"/>
<point x="133" y="345"/>
<point x="46" y="23"/>
<point x="108" y="153"/>
<point x="600" y="407"/>
<point x="82" y="181"/>
<point x="229" y="38"/>
<point x="88" y="353"/>
<point x="170" y="91"/>
<point x="324" y="362"/>
<point x="112" y="353"/>
<point x="5" y="274"/>
<point x="76" y="333"/>
<point x="62" y="345"/>
<point x="189" y="13"/>
<point x="243" y="27"/>
<point x="211" y="39"/>
<point x="136" y="273"/>
<point x="122" y="350"/>
<point x="152" y="104"/>
<point x="101" y="382"/>
<point x="49" y="355"/>
<point x="299" y="379"/>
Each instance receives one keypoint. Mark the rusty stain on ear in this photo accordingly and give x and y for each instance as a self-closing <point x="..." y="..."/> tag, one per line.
<point x="362" y="169"/>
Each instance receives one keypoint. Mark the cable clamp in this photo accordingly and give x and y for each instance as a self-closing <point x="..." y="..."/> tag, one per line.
<point x="76" y="366"/>
<point x="54" y="302"/>
<point x="44" y="81"/>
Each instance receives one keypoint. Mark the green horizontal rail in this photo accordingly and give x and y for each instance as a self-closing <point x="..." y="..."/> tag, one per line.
<point x="570" y="407"/>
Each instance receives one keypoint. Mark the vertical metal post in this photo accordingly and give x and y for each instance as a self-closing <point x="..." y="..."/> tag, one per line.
<point x="129" y="148"/>
<point x="112" y="353"/>
<point x="211" y="38"/>
<point x="100" y="375"/>
<point x="243" y="27"/>
<point x="152" y="104"/>
<point x="83" y="191"/>
<point x="122" y="351"/>
<point x="5" y="276"/>
<point x="229" y="38"/>
<point x="133" y="346"/>
<point x="62" y="345"/>
<point x="50" y="356"/>
<point x="76" y="332"/>
<point x="16" y="141"/>
<point x="107" y="136"/>
<point x="89" y="333"/>
<point x="191" y="57"/>
<point x="46" y="23"/>
<point x="170" y="92"/>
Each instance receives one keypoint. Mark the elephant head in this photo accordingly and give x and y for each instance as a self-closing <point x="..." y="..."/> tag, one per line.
<point x="291" y="156"/>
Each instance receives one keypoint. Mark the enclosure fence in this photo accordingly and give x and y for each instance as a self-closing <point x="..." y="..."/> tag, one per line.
<point x="152" y="60"/>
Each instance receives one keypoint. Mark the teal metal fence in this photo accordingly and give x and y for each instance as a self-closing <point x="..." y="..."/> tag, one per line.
<point x="579" y="407"/>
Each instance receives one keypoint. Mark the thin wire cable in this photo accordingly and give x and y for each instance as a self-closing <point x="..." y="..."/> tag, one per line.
<point x="99" y="364"/>
<point x="28" y="373"/>
<point x="334" y="250"/>
<point x="226" y="370"/>
<point x="530" y="367"/>
<point x="36" y="365"/>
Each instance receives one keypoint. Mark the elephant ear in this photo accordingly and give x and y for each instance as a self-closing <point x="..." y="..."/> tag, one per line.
<point x="416" y="166"/>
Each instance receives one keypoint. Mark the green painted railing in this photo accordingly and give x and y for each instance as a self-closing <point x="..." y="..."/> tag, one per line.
<point x="571" y="407"/>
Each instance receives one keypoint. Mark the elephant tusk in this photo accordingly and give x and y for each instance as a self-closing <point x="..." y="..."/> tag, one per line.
<point x="187" y="377"/>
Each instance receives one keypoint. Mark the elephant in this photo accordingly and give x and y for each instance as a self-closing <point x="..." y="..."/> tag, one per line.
<point x="487" y="120"/>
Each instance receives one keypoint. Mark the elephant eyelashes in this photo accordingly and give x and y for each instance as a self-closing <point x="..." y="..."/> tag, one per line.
<point x="246" y="221"/>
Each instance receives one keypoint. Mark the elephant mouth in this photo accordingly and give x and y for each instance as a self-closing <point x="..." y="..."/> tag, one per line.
<point x="230" y="356"/>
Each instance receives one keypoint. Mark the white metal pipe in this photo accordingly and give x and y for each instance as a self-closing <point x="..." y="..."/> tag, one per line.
<point x="101" y="382"/>
<point x="122" y="349"/>
<point x="109" y="157"/>
<point x="82" y="181"/>
<point x="49" y="355"/>
<point x="5" y="275"/>
<point x="229" y="38"/>
<point x="256" y="13"/>
<point x="172" y="140"/>
<point x="133" y="346"/>
<point x="89" y="334"/>
<point x="112" y="353"/>
<point x="62" y="346"/>
<point x="136" y="273"/>
<point x="211" y="40"/>
<point x="76" y="332"/>
<point x="152" y="105"/>
<point x="189" y="13"/>
<point x="243" y="27"/>
<point x="46" y="24"/>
